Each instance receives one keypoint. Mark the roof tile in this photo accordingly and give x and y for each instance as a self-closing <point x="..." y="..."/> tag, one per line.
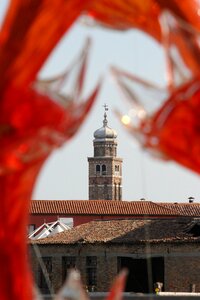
<point x="185" y="209"/>
<point x="129" y="231"/>
<point x="102" y="207"/>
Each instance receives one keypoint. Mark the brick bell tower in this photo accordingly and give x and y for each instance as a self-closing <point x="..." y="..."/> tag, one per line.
<point x="105" y="168"/>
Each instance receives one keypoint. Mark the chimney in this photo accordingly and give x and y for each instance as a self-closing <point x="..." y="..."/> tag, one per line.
<point x="191" y="199"/>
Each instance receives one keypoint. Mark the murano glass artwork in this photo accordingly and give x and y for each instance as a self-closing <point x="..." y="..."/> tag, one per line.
<point x="35" y="118"/>
<point x="171" y="130"/>
<point x="28" y="134"/>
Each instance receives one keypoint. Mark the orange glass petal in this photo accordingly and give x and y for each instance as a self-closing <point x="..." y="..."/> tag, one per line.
<point x="145" y="16"/>
<point x="177" y="126"/>
<point x="126" y="15"/>
<point x="27" y="132"/>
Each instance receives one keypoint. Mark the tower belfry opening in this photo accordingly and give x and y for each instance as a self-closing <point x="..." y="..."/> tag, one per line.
<point x="105" y="168"/>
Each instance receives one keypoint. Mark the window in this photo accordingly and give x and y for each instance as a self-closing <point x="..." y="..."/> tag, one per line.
<point x="45" y="275"/>
<point x="68" y="262"/>
<point x="67" y="221"/>
<point x="31" y="228"/>
<point x="103" y="169"/>
<point x="97" y="169"/>
<point x="116" y="169"/>
<point x="91" y="272"/>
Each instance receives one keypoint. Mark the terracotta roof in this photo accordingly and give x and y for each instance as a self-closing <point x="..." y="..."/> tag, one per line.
<point x="101" y="207"/>
<point x="185" y="209"/>
<point x="129" y="231"/>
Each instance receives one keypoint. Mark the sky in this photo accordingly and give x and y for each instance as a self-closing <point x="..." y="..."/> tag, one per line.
<point x="65" y="173"/>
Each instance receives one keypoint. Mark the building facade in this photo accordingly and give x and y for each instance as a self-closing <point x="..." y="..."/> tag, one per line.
<point x="105" y="168"/>
<point x="83" y="211"/>
<point x="165" y="251"/>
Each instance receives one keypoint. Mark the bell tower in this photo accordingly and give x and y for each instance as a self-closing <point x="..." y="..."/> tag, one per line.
<point x="105" y="168"/>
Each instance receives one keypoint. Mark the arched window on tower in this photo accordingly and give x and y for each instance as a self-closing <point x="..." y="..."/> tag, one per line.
<point x="98" y="169"/>
<point x="117" y="169"/>
<point x="103" y="169"/>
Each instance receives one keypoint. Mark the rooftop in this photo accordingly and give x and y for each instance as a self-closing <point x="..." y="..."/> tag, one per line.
<point x="129" y="231"/>
<point x="106" y="207"/>
<point x="186" y="209"/>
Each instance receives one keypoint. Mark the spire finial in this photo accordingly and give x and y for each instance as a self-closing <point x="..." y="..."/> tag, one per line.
<point x="105" y="121"/>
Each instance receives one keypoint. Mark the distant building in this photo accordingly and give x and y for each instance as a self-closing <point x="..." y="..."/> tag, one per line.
<point x="157" y="242"/>
<point x="164" y="251"/>
<point x="76" y="212"/>
<point x="105" y="168"/>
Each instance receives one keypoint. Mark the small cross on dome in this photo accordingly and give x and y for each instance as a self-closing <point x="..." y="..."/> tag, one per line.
<point x="105" y="107"/>
<point x="105" y="121"/>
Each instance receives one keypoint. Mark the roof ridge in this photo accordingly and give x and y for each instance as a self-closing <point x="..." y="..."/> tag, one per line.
<point x="107" y="207"/>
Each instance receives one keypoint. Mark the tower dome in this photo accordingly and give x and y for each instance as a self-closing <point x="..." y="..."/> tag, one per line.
<point x="105" y="132"/>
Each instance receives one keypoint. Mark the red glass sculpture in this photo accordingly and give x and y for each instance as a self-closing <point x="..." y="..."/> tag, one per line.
<point x="28" y="133"/>
<point x="145" y="16"/>
<point x="33" y="121"/>
<point x="171" y="131"/>
<point x="118" y="286"/>
<point x="73" y="287"/>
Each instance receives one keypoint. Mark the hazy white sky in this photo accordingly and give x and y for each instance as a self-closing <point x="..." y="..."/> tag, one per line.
<point x="65" y="173"/>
